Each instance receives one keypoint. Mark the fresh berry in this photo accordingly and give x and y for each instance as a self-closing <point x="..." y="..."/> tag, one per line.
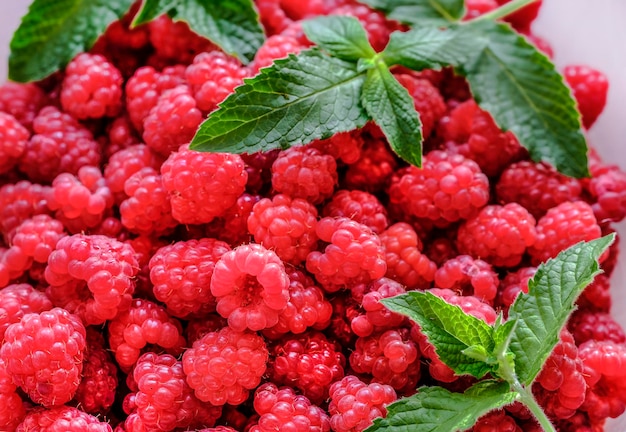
<point x="522" y="19"/>
<point x="375" y="317"/>
<point x="589" y="87"/>
<point x="61" y="419"/>
<point x="373" y="169"/>
<point x="259" y="169"/>
<point x="598" y="326"/>
<point x="19" y="202"/>
<point x="468" y="276"/>
<point x="607" y="188"/>
<point x="198" y="327"/>
<point x="496" y="421"/>
<point x="12" y="408"/>
<point x="22" y="101"/>
<point x="13" y="140"/>
<point x="275" y="47"/>
<point x="343" y="146"/>
<point x="597" y="295"/>
<point x="18" y="300"/>
<point x="174" y="42"/>
<point x="378" y="28"/>
<point x="475" y="8"/>
<point x="359" y="206"/>
<point x="428" y="101"/>
<point x="512" y="285"/>
<point x="121" y="135"/>
<point x="232" y="226"/>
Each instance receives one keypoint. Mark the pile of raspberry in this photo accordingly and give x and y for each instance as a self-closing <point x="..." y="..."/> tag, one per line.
<point x="148" y="287"/>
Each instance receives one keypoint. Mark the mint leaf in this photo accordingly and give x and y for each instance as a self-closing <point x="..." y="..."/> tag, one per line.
<point x="392" y="108"/>
<point x="420" y="12"/>
<point x="233" y="25"/>
<point x="541" y="314"/>
<point x="448" y="328"/>
<point x="53" y="32"/>
<point x="342" y="36"/>
<point x="435" y="409"/>
<point x="293" y="102"/>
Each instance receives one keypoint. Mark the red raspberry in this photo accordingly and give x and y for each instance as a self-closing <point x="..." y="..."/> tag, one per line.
<point x="428" y="101"/>
<point x="213" y="76"/>
<point x="60" y="144"/>
<point x="405" y="261"/>
<point x="120" y="34"/>
<point x="344" y="146"/>
<point x="441" y="249"/>
<point x="353" y="254"/>
<point x="121" y="134"/>
<point x="61" y="419"/>
<point x="304" y="172"/>
<point x="181" y="274"/>
<point x="275" y="47"/>
<point x="202" y="186"/>
<point x="475" y="8"/>
<point x="144" y="88"/>
<point x="309" y="363"/>
<point x="196" y="328"/>
<point x="373" y="169"/>
<point x="147" y="210"/>
<point x="345" y="310"/>
<point x="513" y="284"/>
<point x="18" y="300"/>
<point x="12" y="408"/>
<point x="96" y="392"/>
<point x="496" y="421"/>
<point x="597" y="295"/>
<point x="354" y="405"/>
<point x="251" y="287"/>
<point x="13" y="140"/>
<point x="498" y="234"/>
<point x="273" y="18"/>
<point x="446" y="189"/>
<point x="91" y="88"/>
<point x="175" y="42"/>
<point x="44" y="353"/>
<point x="22" y="101"/>
<point x="561" y="227"/>
<point x="541" y="44"/>
<point x="522" y="19"/>
<point x="232" y="227"/>
<point x="560" y="386"/>
<point x="590" y="88"/>
<point x="391" y="358"/>
<point x="223" y="366"/>
<point x="144" y="325"/>
<point x="172" y="122"/>
<point x="307" y="307"/>
<point x="607" y="188"/>
<point x="598" y="326"/>
<point x="164" y="401"/>
<point x="259" y="168"/>
<point x="359" y="206"/>
<point x="80" y="201"/>
<point x="282" y="409"/>
<point x="468" y="276"/>
<point x="377" y="26"/>
<point x="536" y="186"/>
<point x="580" y="422"/>
<point x="375" y="316"/>
<point x="286" y="226"/>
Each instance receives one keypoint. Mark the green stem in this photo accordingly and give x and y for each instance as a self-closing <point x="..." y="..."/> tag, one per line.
<point x="504" y="10"/>
<point x="527" y="398"/>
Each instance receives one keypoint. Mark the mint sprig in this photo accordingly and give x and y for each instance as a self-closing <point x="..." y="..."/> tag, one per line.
<point x="420" y="12"/>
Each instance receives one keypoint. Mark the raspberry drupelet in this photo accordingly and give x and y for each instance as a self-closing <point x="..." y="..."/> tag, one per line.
<point x="590" y="88"/>
<point x="223" y="366"/>
<point x="13" y="141"/>
<point x="468" y="276"/>
<point x="61" y="419"/>
<point x="181" y="273"/>
<point x="44" y="354"/>
<point x="359" y="206"/>
<point x="597" y="295"/>
<point x="251" y="287"/>
<point x="202" y="186"/>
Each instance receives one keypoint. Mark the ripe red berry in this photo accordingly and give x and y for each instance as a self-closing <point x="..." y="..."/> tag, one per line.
<point x="61" y="419"/>
<point x="359" y="206"/>
<point x="12" y="408"/>
<point x="22" y="101"/>
<point x="589" y="87"/>
<point x="19" y="202"/>
<point x="13" y="141"/>
<point x="428" y="101"/>
<point x="468" y="276"/>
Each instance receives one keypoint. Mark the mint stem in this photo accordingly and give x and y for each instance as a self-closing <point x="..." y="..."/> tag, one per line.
<point x="527" y="398"/>
<point x="504" y="10"/>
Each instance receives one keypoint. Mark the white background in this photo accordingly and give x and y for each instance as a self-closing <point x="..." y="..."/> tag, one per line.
<point x="591" y="32"/>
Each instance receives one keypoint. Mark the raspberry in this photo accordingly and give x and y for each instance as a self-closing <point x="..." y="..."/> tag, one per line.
<point x="121" y="135"/>
<point x="354" y="405"/>
<point x="61" y="419"/>
<point x="345" y="310"/>
<point x="91" y="276"/>
<point x="307" y="307"/>
<point x="259" y="169"/>
<point x="164" y="401"/>
<point x="144" y="325"/>
<point x="475" y="8"/>
<point x="446" y="189"/>
<point x="127" y="162"/>
<point x="147" y="210"/>
<point x="391" y="358"/>
<point x="373" y="169"/>
<point x="309" y="363"/>
<point x="273" y="18"/>
<point x="91" y="88"/>
<point x="96" y="392"/>
<point x="144" y="88"/>
<point x="598" y="326"/>
<point x="175" y="42"/>
<point x="607" y="188"/>
<point x="468" y="276"/>
<point x="498" y="234"/>
<point x="172" y="122"/>
<point x="80" y="201"/>
<point x="376" y="317"/>
<point x="513" y="284"/>
<point x="251" y="287"/>
<point x="561" y="227"/>
<point x="60" y="144"/>
<point x="202" y="186"/>
<point x="213" y="76"/>
<point x="275" y="47"/>
<point x="428" y="101"/>
<point x="589" y="87"/>
<point x="496" y="421"/>
<point x="560" y="386"/>
<point x="22" y="101"/>
<point x="359" y="206"/>
<point x="18" y="300"/>
<point x="353" y="254"/>
<point x="232" y="227"/>
<point x="344" y="146"/>
<point x="196" y="328"/>
<point x="181" y="274"/>
<point x="522" y="19"/>
<point x="282" y="409"/>
<point x="304" y="172"/>
<point x="597" y="295"/>
<point x="222" y="366"/>
<point x="405" y="261"/>
<point x="12" y="408"/>
<point x="441" y="249"/>
<point x="536" y="186"/>
<point x="13" y="140"/>
<point x="44" y="353"/>
<point x="377" y="27"/>
<point x="286" y="226"/>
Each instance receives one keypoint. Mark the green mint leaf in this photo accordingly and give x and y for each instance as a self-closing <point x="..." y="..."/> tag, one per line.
<point x="420" y="12"/>
<point x="541" y="314"/>
<point x="502" y="335"/>
<point x="295" y="101"/>
<point x="341" y="36"/>
<point x="233" y="25"/>
<point x="392" y="108"/>
<point x="448" y="328"/>
<point x="53" y="32"/>
<point x="435" y="409"/>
